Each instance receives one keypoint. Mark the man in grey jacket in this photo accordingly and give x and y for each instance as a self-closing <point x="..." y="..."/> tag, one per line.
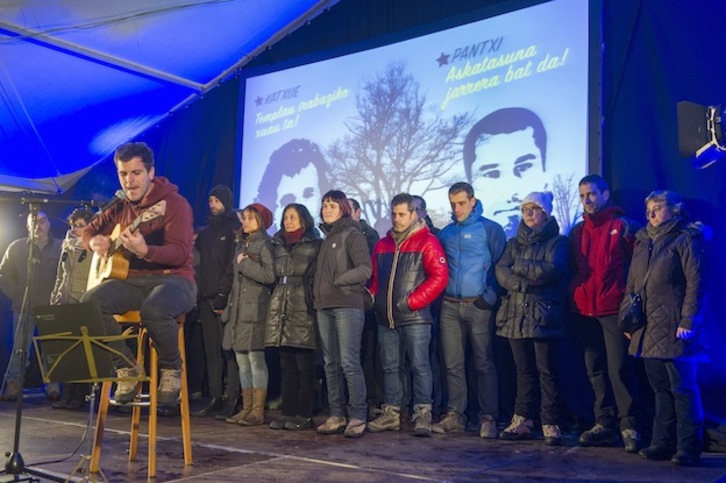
<point x="13" y="283"/>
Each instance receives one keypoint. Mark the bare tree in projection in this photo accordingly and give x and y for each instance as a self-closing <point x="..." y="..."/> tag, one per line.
<point x="567" y="201"/>
<point x="395" y="142"/>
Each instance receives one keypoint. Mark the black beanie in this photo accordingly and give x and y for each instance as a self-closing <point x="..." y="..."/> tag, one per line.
<point x="224" y="195"/>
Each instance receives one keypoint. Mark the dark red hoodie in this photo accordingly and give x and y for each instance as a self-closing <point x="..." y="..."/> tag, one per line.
<point x="169" y="237"/>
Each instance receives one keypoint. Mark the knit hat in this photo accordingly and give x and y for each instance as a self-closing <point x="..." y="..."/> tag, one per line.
<point x="543" y="199"/>
<point x="264" y="213"/>
<point x="223" y="194"/>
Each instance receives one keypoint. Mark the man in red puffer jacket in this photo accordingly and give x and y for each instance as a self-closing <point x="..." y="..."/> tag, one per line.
<point x="409" y="273"/>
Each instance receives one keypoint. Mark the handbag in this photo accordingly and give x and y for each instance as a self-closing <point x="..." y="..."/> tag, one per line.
<point x="632" y="316"/>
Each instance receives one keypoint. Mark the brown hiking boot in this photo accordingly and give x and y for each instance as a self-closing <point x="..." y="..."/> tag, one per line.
<point x="126" y="386"/>
<point x="332" y="425"/>
<point x="451" y="423"/>
<point x="422" y="420"/>
<point x="519" y="428"/>
<point x="169" y="386"/>
<point x="388" y="420"/>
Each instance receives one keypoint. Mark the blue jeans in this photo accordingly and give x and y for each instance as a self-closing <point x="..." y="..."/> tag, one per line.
<point x="678" y="417"/>
<point x="341" y="332"/>
<point x="415" y="340"/>
<point x="161" y="298"/>
<point x="253" y="372"/>
<point x="462" y="323"/>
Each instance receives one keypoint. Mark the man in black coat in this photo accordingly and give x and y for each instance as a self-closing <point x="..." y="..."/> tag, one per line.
<point x="215" y="244"/>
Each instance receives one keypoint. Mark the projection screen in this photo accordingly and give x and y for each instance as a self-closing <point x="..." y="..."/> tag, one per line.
<point x="501" y="103"/>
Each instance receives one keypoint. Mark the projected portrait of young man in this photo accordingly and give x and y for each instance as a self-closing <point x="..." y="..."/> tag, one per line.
<point x="504" y="159"/>
<point x="295" y="174"/>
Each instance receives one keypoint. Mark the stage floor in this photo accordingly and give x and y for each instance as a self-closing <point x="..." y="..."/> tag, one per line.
<point x="226" y="452"/>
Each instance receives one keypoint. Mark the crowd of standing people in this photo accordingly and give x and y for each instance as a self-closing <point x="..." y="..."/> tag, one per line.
<point x="383" y="313"/>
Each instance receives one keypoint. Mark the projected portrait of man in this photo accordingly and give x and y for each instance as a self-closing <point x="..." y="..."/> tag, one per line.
<point x="295" y="174"/>
<point x="504" y="160"/>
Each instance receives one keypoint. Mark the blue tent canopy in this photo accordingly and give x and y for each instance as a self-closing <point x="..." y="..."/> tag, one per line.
<point x="80" y="77"/>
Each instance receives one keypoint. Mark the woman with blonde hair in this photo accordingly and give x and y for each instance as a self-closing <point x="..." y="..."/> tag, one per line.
<point x="667" y="272"/>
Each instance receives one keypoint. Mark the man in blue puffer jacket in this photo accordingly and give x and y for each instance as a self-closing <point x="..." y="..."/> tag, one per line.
<point x="473" y="245"/>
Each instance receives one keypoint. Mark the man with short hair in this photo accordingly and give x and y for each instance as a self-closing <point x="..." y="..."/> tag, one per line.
<point x="473" y="246"/>
<point x="13" y="282"/>
<point x="602" y="246"/>
<point x="160" y="279"/>
<point x="371" y="234"/>
<point x="409" y="272"/>
<point x="216" y="244"/>
<point x="420" y="204"/>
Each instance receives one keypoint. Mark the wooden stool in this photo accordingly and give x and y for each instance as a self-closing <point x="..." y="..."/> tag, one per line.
<point x="146" y="400"/>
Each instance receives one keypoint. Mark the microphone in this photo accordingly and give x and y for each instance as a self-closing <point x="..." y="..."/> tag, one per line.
<point x="117" y="197"/>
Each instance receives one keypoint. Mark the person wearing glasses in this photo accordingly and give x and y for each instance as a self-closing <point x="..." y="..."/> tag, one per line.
<point x="75" y="261"/>
<point x="534" y="270"/>
<point x="70" y="285"/>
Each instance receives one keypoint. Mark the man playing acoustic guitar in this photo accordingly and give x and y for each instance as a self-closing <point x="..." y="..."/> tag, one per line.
<point x="150" y="230"/>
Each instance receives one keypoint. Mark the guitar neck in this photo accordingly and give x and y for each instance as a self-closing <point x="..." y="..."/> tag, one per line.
<point x="116" y="244"/>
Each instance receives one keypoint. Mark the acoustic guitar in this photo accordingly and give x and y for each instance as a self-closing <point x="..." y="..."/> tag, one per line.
<point x="115" y="264"/>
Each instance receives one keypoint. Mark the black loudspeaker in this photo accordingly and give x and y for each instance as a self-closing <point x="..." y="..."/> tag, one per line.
<point x="692" y="128"/>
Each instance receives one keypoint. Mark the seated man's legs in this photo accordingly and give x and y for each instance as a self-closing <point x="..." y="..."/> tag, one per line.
<point x="166" y="298"/>
<point x="116" y="297"/>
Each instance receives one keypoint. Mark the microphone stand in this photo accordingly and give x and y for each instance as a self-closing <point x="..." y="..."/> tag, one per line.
<point x="15" y="464"/>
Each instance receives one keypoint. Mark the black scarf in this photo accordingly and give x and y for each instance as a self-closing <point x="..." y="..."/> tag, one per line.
<point x="655" y="232"/>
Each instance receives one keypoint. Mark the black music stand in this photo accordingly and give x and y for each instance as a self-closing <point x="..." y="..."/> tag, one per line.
<point x="74" y="348"/>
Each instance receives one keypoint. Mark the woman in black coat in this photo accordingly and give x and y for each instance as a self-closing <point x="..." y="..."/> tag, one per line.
<point x="671" y="252"/>
<point x="534" y="270"/>
<point x="291" y="315"/>
<point x="341" y="271"/>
